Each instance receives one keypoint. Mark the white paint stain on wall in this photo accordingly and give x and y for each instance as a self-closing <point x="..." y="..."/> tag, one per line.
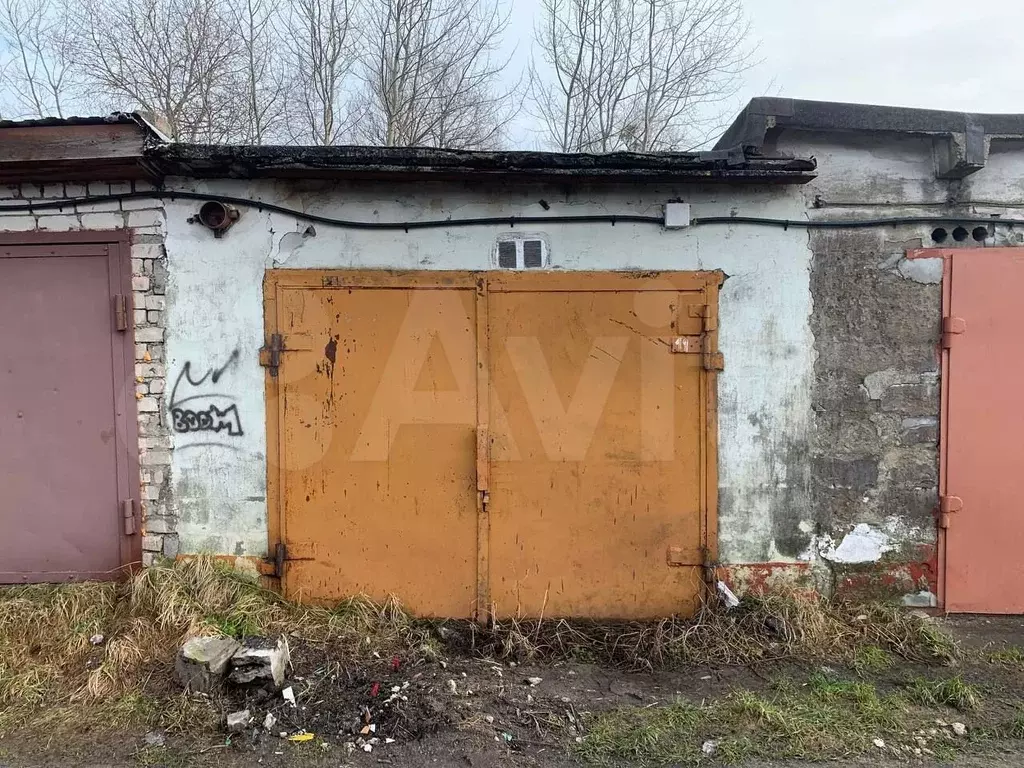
<point x="863" y="544"/>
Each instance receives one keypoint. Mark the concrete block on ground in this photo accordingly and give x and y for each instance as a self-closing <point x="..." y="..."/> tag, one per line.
<point x="202" y="661"/>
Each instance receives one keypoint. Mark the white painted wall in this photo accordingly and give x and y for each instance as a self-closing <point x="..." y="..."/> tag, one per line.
<point x="215" y="307"/>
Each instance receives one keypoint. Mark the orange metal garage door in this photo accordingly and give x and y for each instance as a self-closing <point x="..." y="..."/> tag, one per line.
<point x="515" y="443"/>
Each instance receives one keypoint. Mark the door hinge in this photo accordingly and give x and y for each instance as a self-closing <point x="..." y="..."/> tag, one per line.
<point x="948" y="505"/>
<point x="952" y="327"/>
<point x="713" y="361"/>
<point x="121" y="312"/>
<point x="273" y="565"/>
<point x="711" y="358"/>
<point x="270" y="355"/>
<point x="128" y="517"/>
<point x="676" y="556"/>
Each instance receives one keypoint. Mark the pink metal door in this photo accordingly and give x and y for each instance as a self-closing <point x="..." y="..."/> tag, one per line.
<point x="983" y="435"/>
<point x="67" y="425"/>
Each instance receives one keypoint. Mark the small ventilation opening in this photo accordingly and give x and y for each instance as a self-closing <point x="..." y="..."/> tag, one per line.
<point x="533" y="254"/>
<point x="507" y="254"/>
<point x="522" y="253"/>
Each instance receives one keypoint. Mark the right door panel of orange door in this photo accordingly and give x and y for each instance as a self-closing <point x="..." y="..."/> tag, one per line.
<point x="596" y="461"/>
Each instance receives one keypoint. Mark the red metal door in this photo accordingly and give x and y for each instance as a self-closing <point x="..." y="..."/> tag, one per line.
<point x="67" y="437"/>
<point x="983" y="436"/>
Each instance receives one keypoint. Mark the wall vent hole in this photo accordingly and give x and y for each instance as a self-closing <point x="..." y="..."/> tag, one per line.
<point x="533" y="254"/>
<point x="960" y="234"/>
<point x="507" y="254"/>
<point x="939" y="235"/>
<point x="980" y="234"/>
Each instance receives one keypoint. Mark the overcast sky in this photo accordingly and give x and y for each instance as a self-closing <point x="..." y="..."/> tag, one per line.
<point x="962" y="55"/>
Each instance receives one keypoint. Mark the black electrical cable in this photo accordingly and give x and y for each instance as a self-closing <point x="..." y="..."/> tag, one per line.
<point x="852" y="223"/>
<point x="511" y="221"/>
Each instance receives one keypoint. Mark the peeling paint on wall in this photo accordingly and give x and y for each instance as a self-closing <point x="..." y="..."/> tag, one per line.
<point x="863" y="544"/>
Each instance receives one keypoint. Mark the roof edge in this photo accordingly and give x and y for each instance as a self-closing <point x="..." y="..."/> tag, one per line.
<point x="244" y="161"/>
<point x="962" y="137"/>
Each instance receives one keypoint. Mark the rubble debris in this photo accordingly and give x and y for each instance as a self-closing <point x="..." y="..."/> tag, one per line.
<point x="730" y="599"/>
<point x="260" y="661"/>
<point x="237" y="721"/>
<point x="453" y="689"/>
<point x="288" y="695"/>
<point x="879" y="743"/>
<point x="709" y="747"/>
<point x="534" y="681"/>
<point x="154" y="739"/>
<point x="202" y="661"/>
<point x="269" y="721"/>
<point x="959" y="729"/>
<point x="97" y="639"/>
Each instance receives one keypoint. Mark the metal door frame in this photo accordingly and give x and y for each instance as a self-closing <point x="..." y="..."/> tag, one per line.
<point x="483" y="283"/>
<point x="126" y="427"/>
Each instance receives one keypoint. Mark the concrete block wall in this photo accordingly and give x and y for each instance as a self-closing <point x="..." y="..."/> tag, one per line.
<point x="145" y="221"/>
<point x="874" y="447"/>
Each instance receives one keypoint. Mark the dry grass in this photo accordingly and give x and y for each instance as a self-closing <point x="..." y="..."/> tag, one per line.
<point x="768" y="628"/>
<point x="49" y="671"/>
<point x="46" y="659"/>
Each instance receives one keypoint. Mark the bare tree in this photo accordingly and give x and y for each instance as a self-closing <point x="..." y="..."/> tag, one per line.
<point x="38" y="73"/>
<point x="179" y="60"/>
<point x="262" y="106"/>
<point x="643" y="76"/>
<point x="320" y="54"/>
<point x="429" y="73"/>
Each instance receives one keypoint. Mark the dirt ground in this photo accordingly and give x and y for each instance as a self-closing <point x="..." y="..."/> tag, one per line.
<point x="475" y="713"/>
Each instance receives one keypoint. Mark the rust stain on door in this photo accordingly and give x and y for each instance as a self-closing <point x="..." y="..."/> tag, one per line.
<point x="514" y="443"/>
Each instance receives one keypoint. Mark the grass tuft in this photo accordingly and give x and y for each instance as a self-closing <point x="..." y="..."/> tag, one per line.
<point x="1011" y="656"/>
<point x="1015" y="728"/>
<point x="870" y="660"/>
<point x="951" y="692"/>
<point x="763" y="628"/>
<point x="824" y="719"/>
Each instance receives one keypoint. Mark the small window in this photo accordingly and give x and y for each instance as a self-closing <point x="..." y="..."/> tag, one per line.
<point x="507" y="254"/>
<point x="522" y="252"/>
<point x="533" y="254"/>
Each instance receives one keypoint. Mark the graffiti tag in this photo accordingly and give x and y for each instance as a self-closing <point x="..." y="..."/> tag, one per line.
<point x="213" y="419"/>
<point x="207" y="409"/>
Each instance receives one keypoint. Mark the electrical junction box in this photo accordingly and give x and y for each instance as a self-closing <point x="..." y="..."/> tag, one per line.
<point x="677" y="215"/>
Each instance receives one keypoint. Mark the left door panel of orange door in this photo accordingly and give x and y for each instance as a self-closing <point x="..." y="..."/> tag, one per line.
<point x="378" y="445"/>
